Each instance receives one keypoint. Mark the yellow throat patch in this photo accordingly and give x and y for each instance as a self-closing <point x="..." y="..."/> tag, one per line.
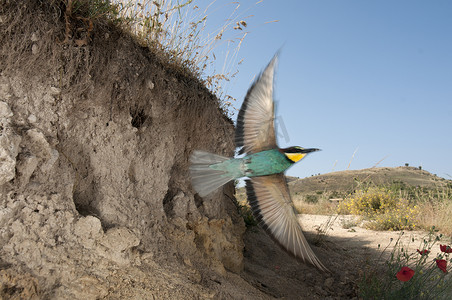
<point x="295" y="156"/>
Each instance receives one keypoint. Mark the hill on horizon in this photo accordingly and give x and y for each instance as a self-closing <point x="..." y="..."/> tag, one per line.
<point x="340" y="183"/>
<point x="347" y="181"/>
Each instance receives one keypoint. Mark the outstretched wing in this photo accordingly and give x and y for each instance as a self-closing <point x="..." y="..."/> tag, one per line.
<point x="255" y="124"/>
<point x="272" y="206"/>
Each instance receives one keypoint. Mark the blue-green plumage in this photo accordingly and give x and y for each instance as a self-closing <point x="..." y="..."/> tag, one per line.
<point x="258" y="164"/>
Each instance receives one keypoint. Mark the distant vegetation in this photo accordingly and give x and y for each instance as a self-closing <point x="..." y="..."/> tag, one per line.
<point x="402" y="198"/>
<point x="401" y="207"/>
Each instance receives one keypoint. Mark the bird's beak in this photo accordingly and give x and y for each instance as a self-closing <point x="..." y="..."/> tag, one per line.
<point x="309" y="150"/>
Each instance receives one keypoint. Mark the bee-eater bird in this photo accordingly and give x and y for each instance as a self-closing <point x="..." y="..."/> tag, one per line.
<point x="264" y="163"/>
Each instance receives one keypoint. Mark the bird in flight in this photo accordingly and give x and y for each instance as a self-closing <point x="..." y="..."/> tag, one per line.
<point x="264" y="164"/>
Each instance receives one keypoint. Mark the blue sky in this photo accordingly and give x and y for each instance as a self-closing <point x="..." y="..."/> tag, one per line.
<point x="373" y="77"/>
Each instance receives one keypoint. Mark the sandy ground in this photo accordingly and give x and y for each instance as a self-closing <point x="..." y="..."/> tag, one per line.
<point x="359" y="240"/>
<point x="347" y="252"/>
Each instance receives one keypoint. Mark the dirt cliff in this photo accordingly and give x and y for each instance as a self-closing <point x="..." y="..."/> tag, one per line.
<point x="94" y="149"/>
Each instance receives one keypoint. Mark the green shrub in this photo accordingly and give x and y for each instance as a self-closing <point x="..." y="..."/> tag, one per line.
<point x="382" y="207"/>
<point x="311" y="199"/>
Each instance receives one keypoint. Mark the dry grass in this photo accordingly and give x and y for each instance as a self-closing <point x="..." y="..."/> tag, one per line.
<point x="435" y="206"/>
<point x="322" y="207"/>
<point x="179" y="31"/>
<point x="438" y="214"/>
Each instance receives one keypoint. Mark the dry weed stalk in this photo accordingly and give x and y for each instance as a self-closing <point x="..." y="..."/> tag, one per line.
<point x="180" y="31"/>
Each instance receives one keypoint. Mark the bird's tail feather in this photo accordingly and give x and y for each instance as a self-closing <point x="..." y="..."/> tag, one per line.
<point x="204" y="178"/>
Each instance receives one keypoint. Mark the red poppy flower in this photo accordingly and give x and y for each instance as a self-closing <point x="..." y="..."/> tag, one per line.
<point x="445" y="248"/>
<point x="423" y="252"/>
<point x="405" y="274"/>
<point x="442" y="264"/>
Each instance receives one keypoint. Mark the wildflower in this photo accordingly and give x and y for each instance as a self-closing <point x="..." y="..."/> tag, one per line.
<point x="445" y="248"/>
<point x="442" y="264"/>
<point x="423" y="252"/>
<point x="405" y="274"/>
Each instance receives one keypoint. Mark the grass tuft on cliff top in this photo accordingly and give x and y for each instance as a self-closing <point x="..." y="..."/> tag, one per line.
<point x="176" y="31"/>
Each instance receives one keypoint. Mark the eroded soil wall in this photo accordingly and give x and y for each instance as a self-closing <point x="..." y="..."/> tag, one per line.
<point x="94" y="147"/>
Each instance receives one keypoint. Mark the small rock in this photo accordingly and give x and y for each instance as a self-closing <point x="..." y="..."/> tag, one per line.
<point x="150" y="85"/>
<point x="82" y="115"/>
<point x="8" y="162"/>
<point x="38" y="144"/>
<point x="116" y="245"/>
<point x="5" y="88"/>
<point x="34" y="37"/>
<point x="89" y="229"/>
<point x="32" y="118"/>
<point x="88" y="226"/>
<point x="5" y="111"/>
<point x="25" y="167"/>
<point x="120" y="239"/>
<point x="35" y="49"/>
<point x="54" y="91"/>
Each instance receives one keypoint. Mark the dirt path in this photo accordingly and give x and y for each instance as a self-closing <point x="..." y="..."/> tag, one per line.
<point x="346" y="252"/>
<point x="359" y="240"/>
